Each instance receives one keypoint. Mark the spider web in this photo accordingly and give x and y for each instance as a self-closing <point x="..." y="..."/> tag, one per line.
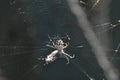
<point x="23" y="60"/>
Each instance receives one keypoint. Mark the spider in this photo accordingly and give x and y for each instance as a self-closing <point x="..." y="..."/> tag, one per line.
<point x="59" y="52"/>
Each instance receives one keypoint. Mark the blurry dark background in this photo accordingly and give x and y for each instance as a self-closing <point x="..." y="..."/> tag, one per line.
<point x="25" y="24"/>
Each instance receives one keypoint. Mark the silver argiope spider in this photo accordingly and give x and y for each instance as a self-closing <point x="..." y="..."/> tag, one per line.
<point x="59" y="47"/>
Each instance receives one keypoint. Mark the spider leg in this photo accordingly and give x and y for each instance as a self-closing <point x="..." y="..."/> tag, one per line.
<point x="69" y="55"/>
<point x="50" y="46"/>
<point x="51" y="40"/>
<point x="66" y="45"/>
<point x="66" y="57"/>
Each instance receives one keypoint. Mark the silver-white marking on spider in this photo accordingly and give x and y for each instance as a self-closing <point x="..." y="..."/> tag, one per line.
<point x="59" y="47"/>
